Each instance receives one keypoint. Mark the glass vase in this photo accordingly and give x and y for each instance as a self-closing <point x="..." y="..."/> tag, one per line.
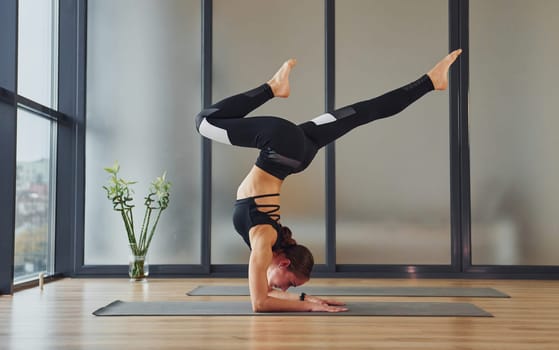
<point x="138" y="268"/>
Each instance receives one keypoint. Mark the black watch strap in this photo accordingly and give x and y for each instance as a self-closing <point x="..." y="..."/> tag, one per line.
<point x="302" y="296"/>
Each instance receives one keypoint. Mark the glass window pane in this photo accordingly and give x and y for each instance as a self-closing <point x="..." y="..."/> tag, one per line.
<point x="34" y="196"/>
<point x="38" y="51"/>
<point x="143" y="91"/>
<point x="246" y="56"/>
<point x="513" y="132"/>
<point x="392" y="176"/>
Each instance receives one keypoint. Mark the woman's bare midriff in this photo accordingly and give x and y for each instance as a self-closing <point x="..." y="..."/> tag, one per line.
<point x="258" y="182"/>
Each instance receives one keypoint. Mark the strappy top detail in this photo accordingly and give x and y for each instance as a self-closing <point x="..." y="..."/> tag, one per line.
<point x="274" y="208"/>
<point x="248" y="213"/>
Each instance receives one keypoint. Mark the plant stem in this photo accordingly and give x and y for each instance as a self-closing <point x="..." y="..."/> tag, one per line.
<point x="143" y="234"/>
<point x="129" y="227"/>
<point x="138" y="269"/>
<point x="152" y="231"/>
<point x="144" y="224"/>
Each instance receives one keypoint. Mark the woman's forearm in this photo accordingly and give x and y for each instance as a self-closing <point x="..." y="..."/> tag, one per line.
<point x="273" y="304"/>
<point x="283" y="295"/>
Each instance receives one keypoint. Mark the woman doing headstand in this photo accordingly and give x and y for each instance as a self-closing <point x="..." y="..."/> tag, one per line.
<point x="277" y="262"/>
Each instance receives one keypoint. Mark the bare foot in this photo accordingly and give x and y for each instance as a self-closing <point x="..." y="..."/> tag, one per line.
<point x="439" y="73"/>
<point x="280" y="81"/>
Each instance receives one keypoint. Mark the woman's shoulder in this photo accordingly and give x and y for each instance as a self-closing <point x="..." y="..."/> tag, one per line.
<point x="263" y="235"/>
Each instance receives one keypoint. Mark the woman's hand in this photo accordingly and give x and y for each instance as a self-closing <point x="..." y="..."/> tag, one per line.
<point x="323" y="307"/>
<point x="330" y="302"/>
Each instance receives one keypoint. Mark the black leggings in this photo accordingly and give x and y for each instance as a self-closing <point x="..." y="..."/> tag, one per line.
<point x="287" y="148"/>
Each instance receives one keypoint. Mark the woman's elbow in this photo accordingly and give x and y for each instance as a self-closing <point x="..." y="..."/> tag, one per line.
<point x="259" y="305"/>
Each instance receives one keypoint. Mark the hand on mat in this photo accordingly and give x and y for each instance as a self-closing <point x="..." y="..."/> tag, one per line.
<point x="314" y="299"/>
<point x="327" y="302"/>
<point x="327" y="308"/>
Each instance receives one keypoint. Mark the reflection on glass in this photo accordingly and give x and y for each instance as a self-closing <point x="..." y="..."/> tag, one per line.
<point x="38" y="50"/>
<point x="33" y="196"/>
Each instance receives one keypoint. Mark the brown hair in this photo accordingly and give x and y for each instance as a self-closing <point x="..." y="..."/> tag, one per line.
<point x="300" y="256"/>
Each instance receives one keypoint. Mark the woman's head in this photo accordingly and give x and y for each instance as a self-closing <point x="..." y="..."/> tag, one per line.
<point x="292" y="263"/>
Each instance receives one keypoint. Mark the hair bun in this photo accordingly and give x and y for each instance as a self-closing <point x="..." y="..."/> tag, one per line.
<point x="286" y="238"/>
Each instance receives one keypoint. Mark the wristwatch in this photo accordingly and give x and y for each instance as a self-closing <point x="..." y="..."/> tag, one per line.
<point x="302" y="296"/>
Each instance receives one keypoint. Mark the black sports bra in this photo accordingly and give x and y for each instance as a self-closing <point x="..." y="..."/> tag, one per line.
<point x="247" y="215"/>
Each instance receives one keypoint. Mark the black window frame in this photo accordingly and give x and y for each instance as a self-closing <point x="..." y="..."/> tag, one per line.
<point x="70" y="167"/>
<point x="460" y="245"/>
<point x="69" y="120"/>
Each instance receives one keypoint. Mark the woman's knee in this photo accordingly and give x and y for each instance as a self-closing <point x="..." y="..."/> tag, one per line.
<point x="203" y="115"/>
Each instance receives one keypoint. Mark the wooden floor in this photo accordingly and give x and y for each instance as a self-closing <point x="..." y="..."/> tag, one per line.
<point x="59" y="317"/>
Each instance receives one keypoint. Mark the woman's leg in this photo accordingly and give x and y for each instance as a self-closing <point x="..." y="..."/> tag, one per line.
<point x="223" y="121"/>
<point x="330" y="126"/>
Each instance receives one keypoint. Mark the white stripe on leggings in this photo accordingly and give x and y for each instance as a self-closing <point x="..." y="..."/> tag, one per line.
<point x="213" y="132"/>
<point x="324" y="119"/>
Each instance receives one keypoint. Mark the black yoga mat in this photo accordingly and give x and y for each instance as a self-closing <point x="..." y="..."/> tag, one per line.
<point x="361" y="291"/>
<point x="236" y="308"/>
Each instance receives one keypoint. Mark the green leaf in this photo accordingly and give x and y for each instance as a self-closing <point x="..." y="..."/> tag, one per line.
<point x="120" y="194"/>
<point x="114" y="169"/>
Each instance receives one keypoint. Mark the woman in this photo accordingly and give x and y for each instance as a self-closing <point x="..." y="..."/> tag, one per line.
<point x="277" y="262"/>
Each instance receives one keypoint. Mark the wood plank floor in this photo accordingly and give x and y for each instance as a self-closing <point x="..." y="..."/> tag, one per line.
<point x="59" y="317"/>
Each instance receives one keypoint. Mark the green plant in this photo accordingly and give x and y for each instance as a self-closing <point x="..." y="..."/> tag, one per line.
<point x="120" y="193"/>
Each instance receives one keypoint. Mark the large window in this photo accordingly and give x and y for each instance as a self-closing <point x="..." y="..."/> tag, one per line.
<point x="142" y="96"/>
<point x="513" y="132"/>
<point x="239" y="67"/>
<point x="392" y="177"/>
<point x="36" y="138"/>
<point x="34" y="209"/>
